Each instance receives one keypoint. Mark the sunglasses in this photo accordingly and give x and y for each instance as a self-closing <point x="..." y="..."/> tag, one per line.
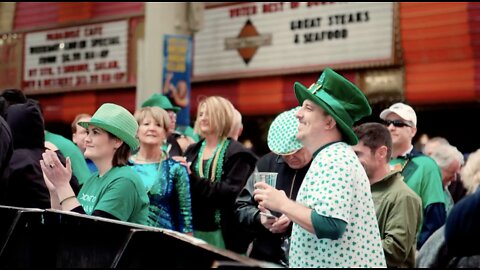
<point x="395" y="123"/>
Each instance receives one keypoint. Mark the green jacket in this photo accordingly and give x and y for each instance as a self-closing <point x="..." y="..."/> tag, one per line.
<point x="69" y="149"/>
<point x="399" y="214"/>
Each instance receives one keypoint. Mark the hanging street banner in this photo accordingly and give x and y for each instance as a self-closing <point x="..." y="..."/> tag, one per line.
<point x="76" y="57"/>
<point x="11" y="61"/>
<point x="177" y="70"/>
<point x="267" y="38"/>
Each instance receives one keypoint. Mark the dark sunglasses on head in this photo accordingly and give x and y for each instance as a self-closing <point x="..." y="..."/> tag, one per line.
<point x="395" y="123"/>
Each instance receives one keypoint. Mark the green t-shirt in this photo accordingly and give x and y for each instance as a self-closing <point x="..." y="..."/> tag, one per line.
<point x="423" y="176"/>
<point x="69" y="149"/>
<point x="449" y="203"/>
<point x="119" y="192"/>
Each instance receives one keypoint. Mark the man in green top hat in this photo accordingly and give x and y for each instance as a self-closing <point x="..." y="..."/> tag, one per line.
<point x="334" y="216"/>
<point x="177" y="142"/>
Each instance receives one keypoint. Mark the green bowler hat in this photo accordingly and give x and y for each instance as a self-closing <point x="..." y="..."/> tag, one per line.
<point x="282" y="134"/>
<point x="116" y="120"/>
<point x="188" y="131"/>
<point x="159" y="100"/>
<point x="340" y="98"/>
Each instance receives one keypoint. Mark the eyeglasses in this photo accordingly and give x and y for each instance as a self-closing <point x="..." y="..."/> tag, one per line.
<point x="172" y="114"/>
<point x="395" y="123"/>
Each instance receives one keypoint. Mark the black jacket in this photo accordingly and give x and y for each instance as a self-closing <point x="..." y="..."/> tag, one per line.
<point x="266" y="245"/>
<point x="463" y="227"/>
<point x="6" y="152"/>
<point x="207" y="196"/>
<point x="25" y="186"/>
<point x="175" y="149"/>
<point x="434" y="215"/>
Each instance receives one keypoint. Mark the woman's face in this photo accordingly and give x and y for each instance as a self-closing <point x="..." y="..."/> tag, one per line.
<point x="79" y="136"/>
<point x="150" y="132"/>
<point x="204" y="123"/>
<point x="99" y="145"/>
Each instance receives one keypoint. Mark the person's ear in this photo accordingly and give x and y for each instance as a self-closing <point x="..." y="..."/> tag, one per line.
<point x="382" y="152"/>
<point x="414" y="131"/>
<point x="117" y="143"/>
<point x="331" y="123"/>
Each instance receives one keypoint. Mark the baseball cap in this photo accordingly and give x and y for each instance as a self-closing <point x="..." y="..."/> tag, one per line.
<point x="403" y="110"/>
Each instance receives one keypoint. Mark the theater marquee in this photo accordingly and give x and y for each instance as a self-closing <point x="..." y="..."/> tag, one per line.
<point x="76" y="57"/>
<point x="260" y="38"/>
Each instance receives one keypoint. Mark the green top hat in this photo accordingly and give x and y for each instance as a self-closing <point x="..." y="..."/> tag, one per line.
<point x="116" y="120"/>
<point x="282" y="134"/>
<point x="340" y="98"/>
<point x="159" y="100"/>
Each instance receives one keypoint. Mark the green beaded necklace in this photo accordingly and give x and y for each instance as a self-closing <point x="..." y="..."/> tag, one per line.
<point x="217" y="168"/>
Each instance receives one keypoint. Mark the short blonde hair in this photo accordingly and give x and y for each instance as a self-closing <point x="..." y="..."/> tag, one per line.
<point x="237" y="120"/>
<point x="219" y="112"/>
<point x="77" y="118"/>
<point x="157" y="113"/>
<point x="470" y="173"/>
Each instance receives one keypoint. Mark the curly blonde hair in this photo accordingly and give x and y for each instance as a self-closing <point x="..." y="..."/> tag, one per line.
<point x="471" y="172"/>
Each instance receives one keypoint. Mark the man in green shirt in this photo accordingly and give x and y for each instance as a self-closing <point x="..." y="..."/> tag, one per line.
<point x="398" y="208"/>
<point x="420" y="172"/>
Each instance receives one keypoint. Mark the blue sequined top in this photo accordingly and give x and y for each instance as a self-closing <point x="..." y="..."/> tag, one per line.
<point x="168" y="189"/>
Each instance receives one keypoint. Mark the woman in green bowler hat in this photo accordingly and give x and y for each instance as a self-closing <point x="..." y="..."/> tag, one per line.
<point x="219" y="168"/>
<point x="115" y="191"/>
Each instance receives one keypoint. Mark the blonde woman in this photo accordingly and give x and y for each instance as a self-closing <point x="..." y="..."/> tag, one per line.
<point x="115" y="191"/>
<point x="166" y="181"/>
<point x="219" y="168"/>
<point x="470" y="173"/>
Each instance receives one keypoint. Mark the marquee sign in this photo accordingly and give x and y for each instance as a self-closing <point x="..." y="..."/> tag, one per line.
<point x="76" y="57"/>
<point x="260" y="38"/>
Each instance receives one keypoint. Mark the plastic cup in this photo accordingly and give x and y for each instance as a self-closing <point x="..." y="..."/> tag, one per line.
<point x="268" y="177"/>
<point x="271" y="179"/>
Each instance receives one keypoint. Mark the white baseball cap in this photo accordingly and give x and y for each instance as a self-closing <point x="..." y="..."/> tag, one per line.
<point x="403" y="110"/>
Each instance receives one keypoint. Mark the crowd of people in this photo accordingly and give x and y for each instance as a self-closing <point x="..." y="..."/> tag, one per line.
<point x="345" y="195"/>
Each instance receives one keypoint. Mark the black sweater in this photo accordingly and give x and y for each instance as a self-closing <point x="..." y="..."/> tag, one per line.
<point x="25" y="186"/>
<point x="207" y="196"/>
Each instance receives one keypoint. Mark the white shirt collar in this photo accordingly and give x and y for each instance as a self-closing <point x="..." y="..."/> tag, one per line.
<point x="408" y="151"/>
